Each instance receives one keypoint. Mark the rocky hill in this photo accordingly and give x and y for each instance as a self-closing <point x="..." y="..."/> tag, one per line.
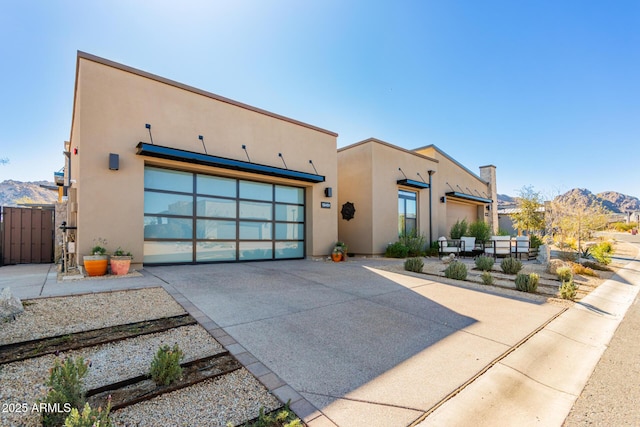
<point x="611" y="200"/>
<point x="13" y="193"/>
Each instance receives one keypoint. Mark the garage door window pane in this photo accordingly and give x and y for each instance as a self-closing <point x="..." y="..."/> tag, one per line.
<point x="255" y="230"/>
<point x="289" y="250"/>
<point x="289" y="213"/>
<point x="218" y="208"/>
<point x="167" y="203"/>
<point x="256" y="250"/>
<point x="256" y="190"/>
<point x="213" y="229"/>
<point x="289" y="231"/>
<point x="168" y="180"/>
<point x="289" y="194"/>
<point x="158" y="227"/>
<point x="216" y="186"/>
<point x="255" y="210"/>
<point x="215" y="251"/>
<point x="167" y="252"/>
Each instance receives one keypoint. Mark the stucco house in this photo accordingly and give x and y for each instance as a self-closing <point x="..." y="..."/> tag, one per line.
<point x="395" y="191"/>
<point x="176" y="174"/>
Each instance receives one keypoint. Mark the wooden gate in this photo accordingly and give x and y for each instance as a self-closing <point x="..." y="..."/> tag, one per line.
<point x="27" y="235"/>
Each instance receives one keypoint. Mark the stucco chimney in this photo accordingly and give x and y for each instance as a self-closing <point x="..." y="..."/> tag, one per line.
<point x="488" y="173"/>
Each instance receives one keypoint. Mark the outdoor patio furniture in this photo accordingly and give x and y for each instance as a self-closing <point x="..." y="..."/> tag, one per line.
<point x="450" y="246"/>
<point x="468" y="244"/>
<point x="498" y="246"/>
<point x="520" y="246"/>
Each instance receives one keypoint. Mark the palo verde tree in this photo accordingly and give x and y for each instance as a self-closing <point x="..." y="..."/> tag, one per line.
<point x="573" y="216"/>
<point x="529" y="215"/>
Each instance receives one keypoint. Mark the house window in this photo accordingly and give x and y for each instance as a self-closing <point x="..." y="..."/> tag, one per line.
<point x="407" y="212"/>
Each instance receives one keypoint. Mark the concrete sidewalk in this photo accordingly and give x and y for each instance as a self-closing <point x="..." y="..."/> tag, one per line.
<point x="353" y="344"/>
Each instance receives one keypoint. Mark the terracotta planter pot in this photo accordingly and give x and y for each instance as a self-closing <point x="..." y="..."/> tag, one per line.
<point x="120" y="265"/>
<point x="95" y="265"/>
<point x="336" y="256"/>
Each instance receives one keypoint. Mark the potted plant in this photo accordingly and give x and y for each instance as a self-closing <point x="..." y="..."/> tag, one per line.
<point x="120" y="261"/>
<point x="336" y="255"/>
<point x="95" y="264"/>
<point x="342" y="248"/>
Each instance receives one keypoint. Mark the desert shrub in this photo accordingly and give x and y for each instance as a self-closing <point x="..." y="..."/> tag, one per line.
<point x="602" y="252"/>
<point x="480" y="230"/>
<point x="623" y="226"/>
<point x="458" y="229"/>
<point x="65" y="388"/>
<point x="595" y="266"/>
<point x="527" y="282"/>
<point x="165" y="367"/>
<point x="511" y="265"/>
<point x="415" y="243"/>
<point x="456" y="270"/>
<point x="396" y="250"/>
<point x="89" y="417"/>
<point x="568" y="290"/>
<point x="583" y="270"/>
<point x="487" y="278"/>
<point x="484" y="263"/>
<point x="284" y="417"/>
<point x="433" y="250"/>
<point x="554" y="265"/>
<point x="414" y="264"/>
<point x="535" y="241"/>
<point x="564" y="273"/>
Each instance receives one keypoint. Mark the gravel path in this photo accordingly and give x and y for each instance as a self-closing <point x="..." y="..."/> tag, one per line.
<point x="236" y="397"/>
<point x="45" y="317"/>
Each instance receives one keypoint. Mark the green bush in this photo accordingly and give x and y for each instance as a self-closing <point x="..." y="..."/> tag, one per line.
<point x="602" y="252"/>
<point x="414" y="264"/>
<point x="284" y="417"/>
<point x="396" y="250"/>
<point x="511" y="265"/>
<point x="535" y="241"/>
<point x="564" y="273"/>
<point x="623" y="226"/>
<point x="89" y="417"/>
<point x="165" y="367"/>
<point x="456" y="270"/>
<point x="527" y="282"/>
<point x="480" y="230"/>
<point x="415" y="243"/>
<point x="484" y="263"/>
<point x="458" y="229"/>
<point x="568" y="290"/>
<point x="487" y="278"/>
<point x="65" y="388"/>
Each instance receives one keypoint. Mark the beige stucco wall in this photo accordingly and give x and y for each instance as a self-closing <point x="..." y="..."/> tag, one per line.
<point x="368" y="178"/>
<point x="112" y="105"/>
<point x="452" y="176"/>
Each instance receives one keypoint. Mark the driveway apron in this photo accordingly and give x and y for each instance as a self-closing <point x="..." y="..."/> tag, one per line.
<point x="362" y="345"/>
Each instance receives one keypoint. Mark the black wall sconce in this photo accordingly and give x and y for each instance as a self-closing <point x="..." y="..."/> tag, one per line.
<point x="443" y="199"/>
<point x="114" y="162"/>
<point x="328" y="192"/>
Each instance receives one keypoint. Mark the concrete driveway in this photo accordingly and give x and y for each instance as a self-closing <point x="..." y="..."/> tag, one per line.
<point x="353" y="344"/>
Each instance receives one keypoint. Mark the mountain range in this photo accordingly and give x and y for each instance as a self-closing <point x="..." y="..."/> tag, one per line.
<point x="13" y="193"/>
<point x="611" y="200"/>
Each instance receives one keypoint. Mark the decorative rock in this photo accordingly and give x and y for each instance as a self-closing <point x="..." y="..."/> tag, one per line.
<point x="10" y="305"/>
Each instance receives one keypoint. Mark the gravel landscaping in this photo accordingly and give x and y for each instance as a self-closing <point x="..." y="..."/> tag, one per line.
<point x="235" y="397"/>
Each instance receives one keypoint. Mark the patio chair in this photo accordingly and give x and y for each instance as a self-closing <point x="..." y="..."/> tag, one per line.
<point x="520" y="246"/>
<point x="450" y="246"/>
<point x="468" y="245"/>
<point x="498" y="246"/>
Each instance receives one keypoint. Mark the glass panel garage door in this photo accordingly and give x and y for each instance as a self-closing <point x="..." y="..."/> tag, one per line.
<point x="191" y="217"/>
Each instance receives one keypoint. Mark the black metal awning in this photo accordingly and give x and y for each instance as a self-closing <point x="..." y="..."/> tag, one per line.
<point x="412" y="183"/>
<point x="469" y="197"/>
<point x="161" y="152"/>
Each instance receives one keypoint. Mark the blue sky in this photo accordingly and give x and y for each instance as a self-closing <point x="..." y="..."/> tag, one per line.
<point x="547" y="91"/>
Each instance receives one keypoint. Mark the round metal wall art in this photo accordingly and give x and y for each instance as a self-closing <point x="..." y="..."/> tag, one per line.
<point x="348" y="211"/>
